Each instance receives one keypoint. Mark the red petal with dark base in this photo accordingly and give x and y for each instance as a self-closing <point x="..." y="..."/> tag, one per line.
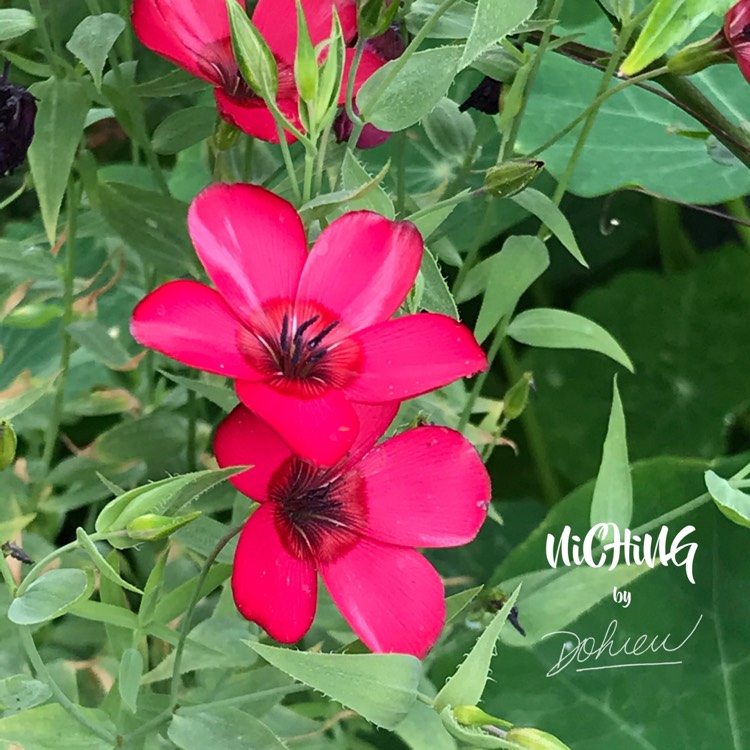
<point x="362" y="267"/>
<point x="270" y="586"/>
<point x="426" y="487"/>
<point x="251" y="242"/>
<point x="414" y="354"/>
<point x="391" y="596"/>
<point x="243" y="439"/>
<point x="191" y="323"/>
<point x="320" y="429"/>
<point x="252" y="116"/>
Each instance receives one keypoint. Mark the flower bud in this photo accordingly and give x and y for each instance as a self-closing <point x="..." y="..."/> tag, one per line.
<point x="700" y="55"/>
<point x="517" y="396"/>
<point x="511" y="177"/>
<point x="534" y="739"/>
<point x="472" y="716"/>
<point x="150" y="527"/>
<point x="375" y="16"/>
<point x="7" y="444"/>
<point x="17" y="114"/>
<point x="225" y="135"/>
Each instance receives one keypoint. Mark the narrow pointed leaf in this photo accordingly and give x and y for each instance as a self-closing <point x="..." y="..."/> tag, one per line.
<point x="733" y="503"/>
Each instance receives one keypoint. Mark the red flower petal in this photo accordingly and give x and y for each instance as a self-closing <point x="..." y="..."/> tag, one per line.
<point x="277" y="22"/>
<point x="369" y="63"/>
<point x="362" y="267"/>
<point x="391" y="596"/>
<point x="183" y="31"/>
<point x="252" y="116"/>
<point x="736" y="19"/>
<point x="191" y="323"/>
<point x="412" y="355"/>
<point x="245" y="439"/>
<point x="426" y="487"/>
<point x="251" y="242"/>
<point x="270" y="586"/>
<point x="374" y="420"/>
<point x="319" y="429"/>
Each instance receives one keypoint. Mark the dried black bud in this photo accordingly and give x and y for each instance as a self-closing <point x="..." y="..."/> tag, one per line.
<point x="485" y="97"/>
<point x="17" y="113"/>
<point x="10" y="549"/>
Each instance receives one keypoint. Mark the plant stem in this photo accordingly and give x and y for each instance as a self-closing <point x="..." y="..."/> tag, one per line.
<point x="738" y="210"/>
<point x="27" y="641"/>
<point x="44" y="37"/>
<point x="288" y="163"/>
<point x="14" y="196"/>
<point x="321" y="159"/>
<point x="7" y="574"/>
<point x="357" y="122"/>
<point x="192" y="407"/>
<point x="473" y="254"/>
<point x="308" y="178"/>
<point x="67" y="342"/>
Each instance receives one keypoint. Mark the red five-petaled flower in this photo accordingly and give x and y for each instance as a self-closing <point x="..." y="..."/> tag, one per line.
<point x="356" y="524"/>
<point x="194" y="34"/>
<point x="304" y="335"/>
<point x="737" y="33"/>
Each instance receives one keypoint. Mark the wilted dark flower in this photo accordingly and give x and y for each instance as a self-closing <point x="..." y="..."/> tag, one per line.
<point x="485" y="97"/>
<point x="17" y="113"/>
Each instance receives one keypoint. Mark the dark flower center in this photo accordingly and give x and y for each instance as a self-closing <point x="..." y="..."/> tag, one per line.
<point x="304" y="350"/>
<point x="318" y="514"/>
<point x="744" y="35"/>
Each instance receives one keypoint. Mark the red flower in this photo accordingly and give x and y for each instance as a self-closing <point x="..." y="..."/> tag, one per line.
<point x="194" y="34"/>
<point x="304" y="335"/>
<point x="356" y="524"/>
<point x="737" y="33"/>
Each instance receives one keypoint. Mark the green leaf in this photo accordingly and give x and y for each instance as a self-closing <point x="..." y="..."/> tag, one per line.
<point x="552" y="217"/>
<point x="455" y="23"/>
<point x="423" y="730"/>
<point x="457" y="603"/>
<point x="465" y="687"/>
<point x="225" y="728"/>
<point x="670" y="23"/>
<point x="61" y="113"/>
<point x="103" y="566"/>
<point x="450" y="131"/>
<point x="93" y="336"/>
<point x="15" y="22"/>
<point x="23" y="260"/>
<point x="12" y="407"/>
<point x="256" y="62"/>
<point x="154" y="225"/>
<point x="380" y="687"/>
<point x="493" y="21"/>
<point x="50" y="596"/>
<point x="436" y="297"/>
<point x="305" y="60"/>
<point x="414" y="92"/>
<point x="129" y="680"/>
<point x="522" y="260"/>
<point x="183" y="128"/>
<point x="354" y="177"/>
<point x="613" y="492"/>
<point x="51" y="727"/>
<point x="21" y="691"/>
<point x="203" y="535"/>
<point x="733" y="503"/>
<point x="428" y="219"/>
<point x="216" y="392"/>
<point x="92" y="41"/>
<point x="560" y="329"/>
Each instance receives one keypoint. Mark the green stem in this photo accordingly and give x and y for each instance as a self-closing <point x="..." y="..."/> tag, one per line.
<point x="7" y="575"/>
<point x="192" y="406"/>
<point x="400" y="156"/>
<point x="473" y="254"/>
<point x="44" y="37"/>
<point x="357" y="122"/>
<point x="187" y="618"/>
<point x="289" y="164"/>
<point x="308" y="178"/>
<point x="240" y="700"/>
<point x="14" y="196"/>
<point x="27" y="641"/>
<point x="738" y="210"/>
<point x="67" y="342"/>
<point x="321" y="159"/>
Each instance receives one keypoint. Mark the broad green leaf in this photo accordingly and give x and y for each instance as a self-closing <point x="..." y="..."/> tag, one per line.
<point x="112" y="596"/>
<point x="50" y="596"/>
<point x="203" y="535"/>
<point x="94" y="337"/>
<point x="12" y="407"/>
<point x="450" y="132"/>
<point x="129" y="679"/>
<point x="152" y="224"/>
<point x="436" y="296"/>
<point x="21" y="691"/>
<point x="670" y="23"/>
<point x="423" y="730"/>
<point x="61" y="112"/>
<point x="733" y="503"/>
<point x="183" y="129"/>
<point x="103" y="566"/>
<point x="15" y="22"/>
<point x="457" y="603"/>
<point x="465" y="687"/>
<point x="23" y="260"/>
<point x="51" y="727"/>
<point x="92" y="41"/>
<point x="354" y="177"/>
<point x="414" y="91"/>
<point x="522" y="260"/>
<point x="613" y="491"/>
<point x="225" y="728"/>
<point x="216" y="392"/>
<point x="560" y="329"/>
<point x="455" y="23"/>
<point x="380" y="687"/>
<point x="552" y="217"/>
<point x="494" y="20"/>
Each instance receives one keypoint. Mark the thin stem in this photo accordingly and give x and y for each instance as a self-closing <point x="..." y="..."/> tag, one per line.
<point x="7" y="574"/>
<point x="187" y="619"/>
<point x="738" y="210"/>
<point x="400" y="156"/>
<point x="44" y="37"/>
<point x="192" y="406"/>
<point x="27" y="641"/>
<point x="14" y="196"/>
<point x="67" y="342"/>
<point x="288" y="163"/>
<point x="308" y="178"/>
<point x="357" y="122"/>
<point x="473" y="254"/>
<point x="321" y="159"/>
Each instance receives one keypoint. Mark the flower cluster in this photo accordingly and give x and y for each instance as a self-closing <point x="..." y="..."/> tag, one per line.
<point x="320" y="365"/>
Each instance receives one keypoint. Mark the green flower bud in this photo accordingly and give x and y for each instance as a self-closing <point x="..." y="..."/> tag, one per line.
<point x="472" y="716"/>
<point x="511" y="177"/>
<point x="150" y="527"/>
<point x="534" y="739"/>
<point x="699" y="55"/>
<point x="305" y="61"/>
<point x="225" y="135"/>
<point x="7" y="444"/>
<point x="517" y="396"/>
<point x="374" y="17"/>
